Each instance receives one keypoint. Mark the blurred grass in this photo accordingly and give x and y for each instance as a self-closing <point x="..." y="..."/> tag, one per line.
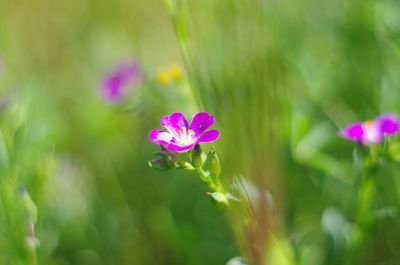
<point x="101" y="204"/>
<point x="280" y="77"/>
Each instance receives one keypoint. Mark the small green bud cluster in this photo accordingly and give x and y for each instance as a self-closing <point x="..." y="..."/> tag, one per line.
<point x="212" y="164"/>
<point x="169" y="160"/>
<point x="207" y="167"/>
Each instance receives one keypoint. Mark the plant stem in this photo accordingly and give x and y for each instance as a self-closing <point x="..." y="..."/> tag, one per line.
<point x="365" y="219"/>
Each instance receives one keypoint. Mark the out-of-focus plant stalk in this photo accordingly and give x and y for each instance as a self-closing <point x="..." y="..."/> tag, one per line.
<point x="236" y="66"/>
<point x="365" y="217"/>
<point x="178" y="10"/>
<point x="19" y="212"/>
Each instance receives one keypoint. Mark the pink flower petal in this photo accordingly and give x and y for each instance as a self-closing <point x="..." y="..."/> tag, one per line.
<point x="179" y="149"/>
<point x="201" y="122"/>
<point x="209" y="136"/>
<point x="389" y="124"/>
<point x="354" y="132"/>
<point x="160" y="137"/>
<point x="174" y="123"/>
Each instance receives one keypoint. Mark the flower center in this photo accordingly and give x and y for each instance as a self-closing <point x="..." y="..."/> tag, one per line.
<point x="368" y="124"/>
<point x="186" y="137"/>
<point x="372" y="134"/>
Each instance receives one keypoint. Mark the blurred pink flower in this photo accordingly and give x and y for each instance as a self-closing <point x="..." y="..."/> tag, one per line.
<point x="372" y="132"/>
<point x="115" y="85"/>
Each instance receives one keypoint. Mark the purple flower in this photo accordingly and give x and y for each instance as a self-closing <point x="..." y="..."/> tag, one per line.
<point x="372" y="132"/>
<point x="179" y="136"/>
<point x="115" y="84"/>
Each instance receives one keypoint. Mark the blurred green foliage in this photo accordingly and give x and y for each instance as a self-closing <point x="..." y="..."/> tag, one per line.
<point x="83" y="161"/>
<point x="280" y="76"/>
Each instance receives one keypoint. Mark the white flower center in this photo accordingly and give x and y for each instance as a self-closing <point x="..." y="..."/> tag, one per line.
<point x="372" y="134"/>
<point x="186" y="137"/>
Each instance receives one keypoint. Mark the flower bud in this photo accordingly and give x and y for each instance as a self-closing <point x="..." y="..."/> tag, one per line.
<point x="197" y="156"/>
<point x="184" y="165"/>
<point x="160" y="164"/>
<point x="169" y="160"/>
<point x="212" y="163"/>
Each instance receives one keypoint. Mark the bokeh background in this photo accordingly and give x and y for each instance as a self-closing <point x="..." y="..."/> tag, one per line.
<point x="280" y="76"/>
<point x="84" y="161"/>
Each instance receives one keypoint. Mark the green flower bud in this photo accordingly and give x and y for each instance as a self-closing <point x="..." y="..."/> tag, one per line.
<point x="160" y="164"/>
<point x="197" y="156"/>
<point x="169" y="160"/>
<point x="212" y="163"/>
<point x="184" y="165"/>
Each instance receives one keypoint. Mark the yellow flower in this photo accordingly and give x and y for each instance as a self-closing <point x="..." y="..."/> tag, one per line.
<point x="170" y="74"/>
<point x="175" y="71"/>
<point x="163" y="78"/>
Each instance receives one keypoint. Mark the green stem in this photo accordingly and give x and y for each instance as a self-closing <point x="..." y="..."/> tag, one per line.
<point x="365" y="216"/>
<point x="206" y="178"/>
